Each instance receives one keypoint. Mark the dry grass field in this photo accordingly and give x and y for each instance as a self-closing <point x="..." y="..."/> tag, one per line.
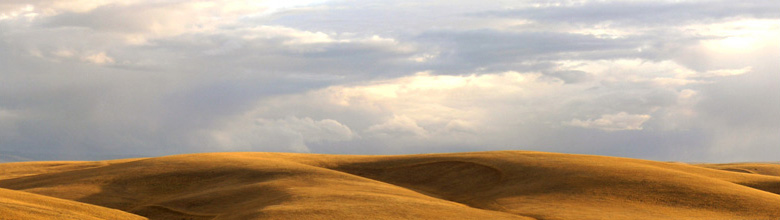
<point x="22" y="205"/>
<point x="477" y="185"/>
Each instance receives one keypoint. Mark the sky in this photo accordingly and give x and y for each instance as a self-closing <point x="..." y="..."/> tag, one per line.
<point x="695" y="81"/>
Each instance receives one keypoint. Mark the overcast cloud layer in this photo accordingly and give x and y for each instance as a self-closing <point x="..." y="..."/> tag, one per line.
<point x="663" y="80"/>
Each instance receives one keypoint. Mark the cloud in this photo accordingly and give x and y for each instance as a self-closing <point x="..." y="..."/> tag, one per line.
<point x="98" y="58"/>
<point x="570" y="76"/>
<point x="491" y="50"/>
<point x="287" y="134"/>
<point x="398" y="126"/>
<point x="643" y="12"/>
<point x="612" y="122"/>
<point x="508" y="109"/>
<point x="682" y="80"/>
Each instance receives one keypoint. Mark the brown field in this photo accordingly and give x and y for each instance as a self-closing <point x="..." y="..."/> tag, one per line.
<point x="478" y="185"/>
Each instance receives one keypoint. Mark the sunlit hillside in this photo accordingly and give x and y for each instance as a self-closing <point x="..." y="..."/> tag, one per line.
<point x="478" y="185"/>
<point x="21" y="205"/>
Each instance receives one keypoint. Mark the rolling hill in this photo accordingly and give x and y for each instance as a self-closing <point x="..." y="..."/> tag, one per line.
<point x="476" y="185"/>
<point x="22" y="205"/>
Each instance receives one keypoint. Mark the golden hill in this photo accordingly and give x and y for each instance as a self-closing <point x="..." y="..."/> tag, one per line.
<point x="22" y="205"/>
<point x="478" y="185"/>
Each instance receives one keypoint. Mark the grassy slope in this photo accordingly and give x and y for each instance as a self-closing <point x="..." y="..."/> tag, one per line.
<point x="22" y="205"/>
<point x="479" y="185"/>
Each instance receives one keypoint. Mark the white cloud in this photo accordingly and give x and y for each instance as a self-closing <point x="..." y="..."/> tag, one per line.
<point x="20" y="11"/>
<point x="397" y="127"/>
<point x="612" y="122"/>
<point x="98" y="58"/>
<point x="726" y="72"/>
<point x="292" y="36"/>
<point x="425" y="57"/>
<point x="475" y="109"/>
<point x="738" y="35"/>
<point x="472" y="110"/>
<point x="64" y="53"/>
<point x="290" y="133"/>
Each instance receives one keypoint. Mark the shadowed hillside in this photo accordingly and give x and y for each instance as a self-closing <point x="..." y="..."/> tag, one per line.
<point x="479" y="185"/>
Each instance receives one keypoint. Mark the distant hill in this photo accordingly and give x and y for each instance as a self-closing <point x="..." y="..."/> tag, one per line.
<point x="12" y="158"/>
<point x="19" y="156"/>
<point x="476" y="185"/>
